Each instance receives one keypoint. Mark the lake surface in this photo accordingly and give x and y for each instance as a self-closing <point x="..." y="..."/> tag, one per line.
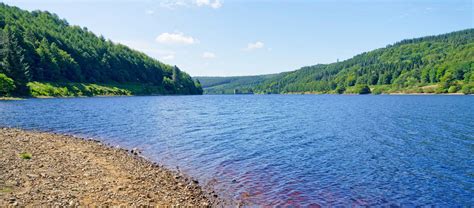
<point x="286" y="149"/>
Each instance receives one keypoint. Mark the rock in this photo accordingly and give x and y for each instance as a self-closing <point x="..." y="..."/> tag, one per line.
<point x="135" y="151"/>
<point x="32" y="175"/>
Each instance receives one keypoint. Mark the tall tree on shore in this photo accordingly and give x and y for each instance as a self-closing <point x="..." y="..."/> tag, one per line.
<point x="13" y="62"/>
<point x="198" y="85"/>
<point x="176" y="72"/>
<point x="6" y="85"/>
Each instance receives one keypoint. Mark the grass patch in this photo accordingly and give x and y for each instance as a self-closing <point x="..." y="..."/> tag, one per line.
<point x="25" y="155"/>
<point x="11" y="98"/>
<point x="6" y="190"/>
<point x="52" y="89"/>
<point x="41" y="89"/>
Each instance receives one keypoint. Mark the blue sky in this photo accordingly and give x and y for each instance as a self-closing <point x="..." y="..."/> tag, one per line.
<point x="247" y="37"/>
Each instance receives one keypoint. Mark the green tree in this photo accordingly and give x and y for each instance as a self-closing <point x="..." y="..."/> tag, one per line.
<point x="169" y="85"/>
<point x="48" y="66"/>
<point x="46" y="48"/>
<point x="6" y="85"/>
<point x="13" y="62"/>
<point x="446" y="82"/>
<point x="340" y="89"/>
<point x="468" y="89"/>
<point x="351" y="80"/>
<point x="198" y="85"/>
<point x="453" y="89"/>
<point x="176" y="74"/>
<point x="65" y="65"/>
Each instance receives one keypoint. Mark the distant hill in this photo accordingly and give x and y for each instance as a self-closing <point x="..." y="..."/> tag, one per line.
<point x="433" y="64"/>
<point x="42" y="55"/>
<point x="227" y="85"/>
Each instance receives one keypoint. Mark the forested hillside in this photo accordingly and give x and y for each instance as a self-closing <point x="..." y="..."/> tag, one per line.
<point x="434" y="64"/>
<point x="42" y="55"/>
<point x="227" y="85"/>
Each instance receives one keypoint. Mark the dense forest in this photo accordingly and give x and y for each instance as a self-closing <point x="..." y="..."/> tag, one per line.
<point x="433" y="64"/>
<point x="42" y="55"/>
<point x="231" y="85"/>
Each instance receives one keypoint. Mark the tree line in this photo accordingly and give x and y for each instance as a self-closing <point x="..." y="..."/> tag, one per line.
<point x="434" y="64"/>
<point x="39" y="46"/>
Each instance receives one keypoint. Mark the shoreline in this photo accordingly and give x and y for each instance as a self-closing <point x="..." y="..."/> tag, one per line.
<point x="302" y="93"/>
<point x="41" y="168"/>
<point x="310" y="93"/>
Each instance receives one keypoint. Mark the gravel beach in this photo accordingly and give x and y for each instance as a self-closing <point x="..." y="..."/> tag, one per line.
<point x="47" y="169"/>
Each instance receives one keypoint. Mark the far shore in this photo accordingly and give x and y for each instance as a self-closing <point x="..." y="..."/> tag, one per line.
<point x="392" y="93"/>
<point x="48" y="169"/>
<point x="299" y="93"/>
<point x="11" y="98"/>
<point x="400" y="93"/>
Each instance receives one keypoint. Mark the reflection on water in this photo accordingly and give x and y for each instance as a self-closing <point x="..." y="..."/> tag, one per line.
<point x="286" y="149"/>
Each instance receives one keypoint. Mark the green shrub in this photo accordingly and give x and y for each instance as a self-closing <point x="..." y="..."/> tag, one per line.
<point x="429" y="89"/>
<point x="468" y="89"/>
<point x="453" y="89"/>
<point x="418" y="90"/>
<point x="6" y="85"/>
<point x="379" y="89"/>
<point x="441" y="89"/>
<point x="362" y="89"/>
<point x="340" y="89"/>
<point x="79" y="89"/>
<point x="25" y="156"/>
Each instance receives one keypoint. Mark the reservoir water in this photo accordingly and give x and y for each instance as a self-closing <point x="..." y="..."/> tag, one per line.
<point x="326" y="150"/>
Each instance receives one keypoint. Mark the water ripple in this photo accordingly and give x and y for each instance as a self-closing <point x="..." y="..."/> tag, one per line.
<point x="287" y="150"/>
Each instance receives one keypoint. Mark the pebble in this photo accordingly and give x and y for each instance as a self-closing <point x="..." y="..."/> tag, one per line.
<point x="87" y="173"/>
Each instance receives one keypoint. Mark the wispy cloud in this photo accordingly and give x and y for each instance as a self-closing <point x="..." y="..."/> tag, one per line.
<point x="173" y="4"/>
<point x="254" y="46"/>
<point x="176" y="38"/>
<point x="168" y="57"/>
<point x="216" y="4"/>
<point x="208" y="55"/>
<point x="150" y="12"/>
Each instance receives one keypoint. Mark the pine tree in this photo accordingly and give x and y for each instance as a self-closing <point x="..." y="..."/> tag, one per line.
<point x="13" y="62"/>
<point x="176" y="72"/>
<point x="198" y="85"/>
